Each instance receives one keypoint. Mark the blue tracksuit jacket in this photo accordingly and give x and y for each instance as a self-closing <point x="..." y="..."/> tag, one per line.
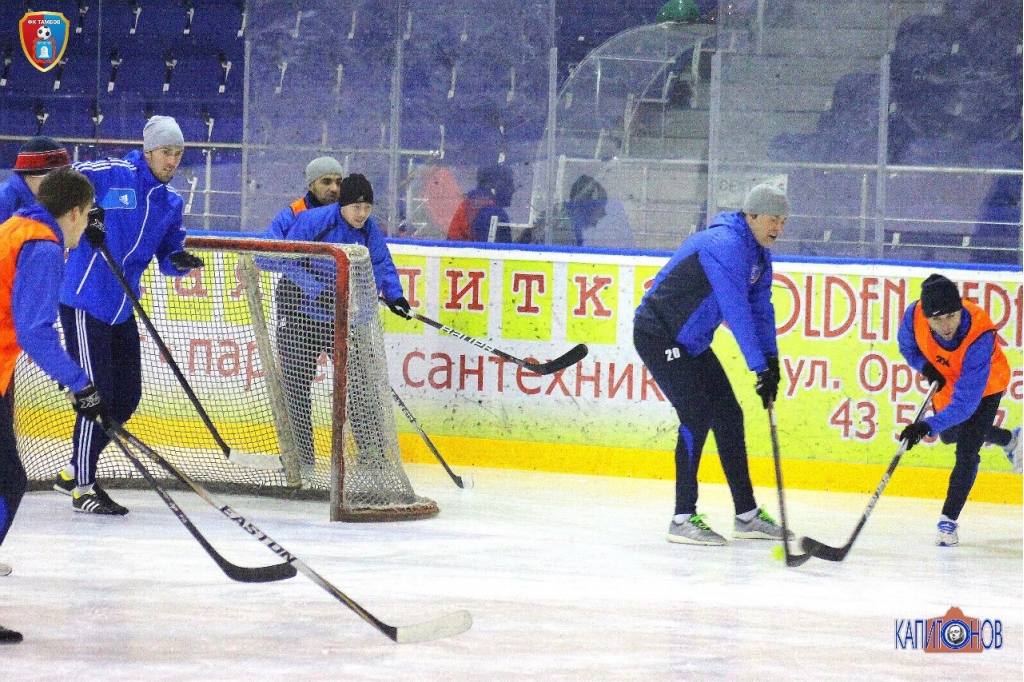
<point x="14" y="194"/>
<point x="143" y="220"/>
<point x="34" y="303"/>
<point x="319" y="275"/>
<point x="719" y="274"/>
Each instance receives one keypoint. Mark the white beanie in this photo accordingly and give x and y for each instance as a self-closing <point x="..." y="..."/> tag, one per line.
<point x="161" y="131"/>
<point x="321" y="166"/>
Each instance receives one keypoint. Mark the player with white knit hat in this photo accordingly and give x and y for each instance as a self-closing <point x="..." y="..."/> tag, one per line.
<point x="323" y="183"/>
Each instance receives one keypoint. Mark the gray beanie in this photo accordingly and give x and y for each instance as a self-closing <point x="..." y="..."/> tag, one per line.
<point x="321" y="166"/>
<point x="161" y="131"/>
<point x="766" y="200"/>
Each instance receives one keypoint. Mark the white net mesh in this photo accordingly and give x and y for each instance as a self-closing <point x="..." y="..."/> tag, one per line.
<point x="259" y="354"/>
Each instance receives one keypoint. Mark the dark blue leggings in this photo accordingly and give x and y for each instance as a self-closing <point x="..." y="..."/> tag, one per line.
<point x="110" y="355"/>
<point x="969" y="436"/>
<point x="702" y="396"/>
<point x="13" y="481"/>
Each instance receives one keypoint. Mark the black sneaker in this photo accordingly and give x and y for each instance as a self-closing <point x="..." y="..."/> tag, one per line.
<point x="64" y="485"/>
<point x="9" y="636"/>
<point x="96" y="502"/>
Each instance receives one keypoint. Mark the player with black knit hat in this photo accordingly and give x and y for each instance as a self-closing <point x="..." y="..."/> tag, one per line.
<point x="37" y="157"/>
<point x="952" y="342"/>
<point x="723" y="273"/>
<point x="305" y="295"/>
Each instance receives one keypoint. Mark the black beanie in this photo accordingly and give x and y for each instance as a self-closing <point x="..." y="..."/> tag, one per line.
<point x="939" y="296"/>
<point x="39" y="155"/>
<point x="355" y="189"/>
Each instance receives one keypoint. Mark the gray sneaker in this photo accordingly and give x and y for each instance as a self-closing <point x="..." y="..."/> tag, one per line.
<point x="761" y="527"/>
<point x="693" y="531"/>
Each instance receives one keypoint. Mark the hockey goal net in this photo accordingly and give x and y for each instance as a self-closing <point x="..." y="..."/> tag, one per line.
<point x="271" y="370"/>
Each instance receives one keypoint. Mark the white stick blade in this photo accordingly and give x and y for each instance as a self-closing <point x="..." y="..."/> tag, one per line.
<point x="251" y="460"/>
<point x="445" y="626"/>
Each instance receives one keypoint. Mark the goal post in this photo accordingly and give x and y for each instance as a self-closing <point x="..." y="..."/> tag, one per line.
<point x="277" y="373"/>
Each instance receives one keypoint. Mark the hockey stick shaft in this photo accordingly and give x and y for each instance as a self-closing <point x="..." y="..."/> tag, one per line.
<point x="791" y="559"/>
<point x="567" y="359"/>
<point x="246" y="459"/>
<point x="242" y="574"/>
<point x="445" y="626"/>
<point x="829" y="553"/>
<point x="426" y="439"/>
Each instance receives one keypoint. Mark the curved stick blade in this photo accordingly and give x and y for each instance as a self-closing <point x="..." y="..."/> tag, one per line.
<point x="574" y="355"/>
<point x="823" y="551"/>
<point x="445" y="626"/>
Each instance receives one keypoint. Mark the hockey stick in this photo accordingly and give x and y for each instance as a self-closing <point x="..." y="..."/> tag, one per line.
<point x="445" y="626"/>
<point x="828" y="553"/>
<point x="463" y="482"/>
<point x="242" y="574"/>
<point x="238" y="457"/>
<point x="568" y="359"/>
<point x="791" y="559"/>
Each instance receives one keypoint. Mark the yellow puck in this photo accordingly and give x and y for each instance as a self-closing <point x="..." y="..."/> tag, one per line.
<point x="778" y="553"/>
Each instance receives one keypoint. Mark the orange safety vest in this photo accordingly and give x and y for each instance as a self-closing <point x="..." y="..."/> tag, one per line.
<point x="950" y="362"/>
<point x="13" y="235"/>
<point x="298" y="206"/>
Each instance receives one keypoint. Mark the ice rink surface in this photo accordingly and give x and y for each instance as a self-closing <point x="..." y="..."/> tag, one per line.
<point x="567" y="578"/>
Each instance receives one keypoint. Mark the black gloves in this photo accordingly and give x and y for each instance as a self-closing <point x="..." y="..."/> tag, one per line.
<point x="94" y="230"/>
<point x="183" y="260"/>
<point x="768" y="381"/>
<point x="933" y="376"/>
<point x="88" y="403"/>
<point x="325" y="300"/>
<point x="399" y="307"/>
<point x="915" y="432"/>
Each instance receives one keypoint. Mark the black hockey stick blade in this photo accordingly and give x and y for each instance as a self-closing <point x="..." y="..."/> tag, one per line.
<point x="446" y="626"/>
<point x="242" y="574"/>
<point x="568" y="359"/>
<point x="823" y="551"/>
<point x="574" y="355"/>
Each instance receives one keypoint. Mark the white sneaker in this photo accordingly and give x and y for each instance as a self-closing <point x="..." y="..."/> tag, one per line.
<point x="1013" y="451"/>
<point x="5" y="569"/>
<point x="947" y="536"/>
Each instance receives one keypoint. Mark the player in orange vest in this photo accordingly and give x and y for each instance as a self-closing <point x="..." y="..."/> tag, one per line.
<point x="953" y="343"/>
<point x="32" y="244"/>
<point x="323" y="178"/>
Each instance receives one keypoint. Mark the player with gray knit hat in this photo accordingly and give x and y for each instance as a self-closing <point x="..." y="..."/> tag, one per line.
<point x="323" y="183"/>
<point x="141" y="221"/>
<point x="720" y="274"/>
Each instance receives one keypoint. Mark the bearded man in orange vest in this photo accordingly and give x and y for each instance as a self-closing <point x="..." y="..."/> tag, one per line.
<point x="953" y="343"/>
<point x="32" y="244"/>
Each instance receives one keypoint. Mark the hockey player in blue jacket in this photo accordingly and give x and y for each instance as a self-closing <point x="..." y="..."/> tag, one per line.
<point x="723" y="273"/>
<point x="305" y="297"/>
<point x="142" y="220"/>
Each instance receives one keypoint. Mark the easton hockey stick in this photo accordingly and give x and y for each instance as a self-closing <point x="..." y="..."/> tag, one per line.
<point x="791" y="559"/>
<point x="238" y="457"/>
<point x="568" y="359"/>
<point x="463" y="482"/>
<point x="242" y="574"/>
<point x="446" y="626"/>
<point x="828" y="553"/>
